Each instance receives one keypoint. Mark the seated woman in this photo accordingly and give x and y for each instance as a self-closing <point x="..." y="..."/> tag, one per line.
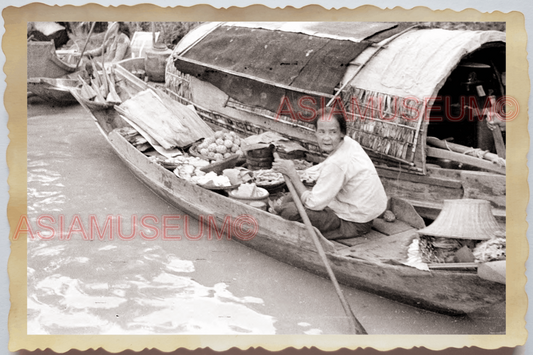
<point x="348" y="194"/>
<point x="116" y="47"/>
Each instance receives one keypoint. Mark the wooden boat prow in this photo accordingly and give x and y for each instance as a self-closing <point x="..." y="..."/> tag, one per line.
<point x="48" y="76"/>
<point x="43" y="61"/>
<point x="55" y="90"/>
<point x="372" y="263"/>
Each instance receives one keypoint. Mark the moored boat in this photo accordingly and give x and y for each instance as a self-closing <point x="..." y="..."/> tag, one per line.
<point x="373" y="263"/>
<point x="416" y="97"/>
<point x="53" y="90"/>
<point x="48" y="76"/>
<point x="43" y="61"/>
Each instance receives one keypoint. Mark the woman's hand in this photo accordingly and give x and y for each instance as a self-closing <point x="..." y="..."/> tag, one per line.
<point x="286" y="167"/>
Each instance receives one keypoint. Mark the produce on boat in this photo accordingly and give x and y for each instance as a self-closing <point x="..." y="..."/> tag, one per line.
<point x="464" y="235"/>
<point x="220" y="146"/>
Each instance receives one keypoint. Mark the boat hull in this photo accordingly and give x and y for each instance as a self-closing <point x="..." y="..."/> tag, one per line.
<point x="57" y="91"/>
<point x="425" y="191"/>
<point x="448" y="292"/>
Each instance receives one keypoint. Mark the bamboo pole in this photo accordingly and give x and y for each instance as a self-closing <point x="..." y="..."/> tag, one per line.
<point x="85" y="45"/>
<point x="355" y="325"/>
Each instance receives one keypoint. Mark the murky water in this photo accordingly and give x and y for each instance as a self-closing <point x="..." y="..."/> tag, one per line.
<point x="139" y="286"/>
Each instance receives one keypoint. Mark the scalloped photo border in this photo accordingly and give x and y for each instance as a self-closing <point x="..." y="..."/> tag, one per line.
<point x="14" y="47"/>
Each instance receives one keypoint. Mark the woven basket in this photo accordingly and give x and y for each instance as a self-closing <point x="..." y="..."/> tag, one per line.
<point x="464" y="219"/>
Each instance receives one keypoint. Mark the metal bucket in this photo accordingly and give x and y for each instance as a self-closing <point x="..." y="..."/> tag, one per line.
<point x="257" y="159"/>
<point x="155" y="63"/>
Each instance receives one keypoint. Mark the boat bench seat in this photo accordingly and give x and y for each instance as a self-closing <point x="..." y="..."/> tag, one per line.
<point x="373" y="234"/>
<point x="380" y="228"/>
<point x="386" y="241"/>
<point x="390" y="228"/>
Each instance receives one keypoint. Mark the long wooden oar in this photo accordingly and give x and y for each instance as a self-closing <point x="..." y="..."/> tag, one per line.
<point x="110" y="30"/>
<point x="355" y="325"/>
<point x="85" y="45"/>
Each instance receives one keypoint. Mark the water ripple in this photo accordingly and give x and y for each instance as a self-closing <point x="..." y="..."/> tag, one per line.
<point x="121" y="288"/>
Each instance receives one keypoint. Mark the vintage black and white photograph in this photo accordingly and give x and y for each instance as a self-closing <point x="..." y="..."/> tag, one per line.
<point x="264" y="178"/>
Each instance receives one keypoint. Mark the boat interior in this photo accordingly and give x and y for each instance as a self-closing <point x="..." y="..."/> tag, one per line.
<point x="456" y="115"/>
<point x="387" y="241"/>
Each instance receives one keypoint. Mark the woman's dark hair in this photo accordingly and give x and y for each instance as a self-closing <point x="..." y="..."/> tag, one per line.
<point x="99" y="27"/>
<point x="328" y="114"/>
<point x="124" y="28"/>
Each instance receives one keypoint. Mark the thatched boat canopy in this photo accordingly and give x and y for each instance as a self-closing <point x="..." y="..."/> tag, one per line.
<point x="385" y="75"/>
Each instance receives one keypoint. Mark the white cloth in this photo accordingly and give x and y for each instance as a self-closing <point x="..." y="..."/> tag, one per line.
<point x="348" y="184"/>
<point x="47" y="28"/>
<point x="417" y="63"/>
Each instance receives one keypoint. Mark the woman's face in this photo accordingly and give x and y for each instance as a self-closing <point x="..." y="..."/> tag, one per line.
<point x="328" y="134"/>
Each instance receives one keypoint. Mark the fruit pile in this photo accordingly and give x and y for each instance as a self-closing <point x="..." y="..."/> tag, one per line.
<point x="221" y="146"/>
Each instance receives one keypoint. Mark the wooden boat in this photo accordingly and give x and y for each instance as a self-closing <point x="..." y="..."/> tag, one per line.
<point x="56" y="91"/>
<point x="401" y="85"/>
<point x="48" y="76"/>
<point x="372" y="263"/>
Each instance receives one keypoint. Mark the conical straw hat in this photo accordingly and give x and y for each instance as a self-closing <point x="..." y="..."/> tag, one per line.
<point x="464" y="219"/>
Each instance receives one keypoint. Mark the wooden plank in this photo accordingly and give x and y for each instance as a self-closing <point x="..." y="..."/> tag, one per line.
<point x="390" y="228"/>
<point x="465" y="159"/>
<point x="411" y="191"/>
<point x="339" y="247"/>
<point x="251" y="77"/>
<point x="437" y="171"/>
<point x="385" y="248"/>
<point x="453" y="266"/>
<point x="498" y="142"/>
<point x="448" y="146"/>
<point x="373" y="234"/>
<point x="486" y="186"/>
<point x="424" y="179"/>
<point x="493" y="271"/>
